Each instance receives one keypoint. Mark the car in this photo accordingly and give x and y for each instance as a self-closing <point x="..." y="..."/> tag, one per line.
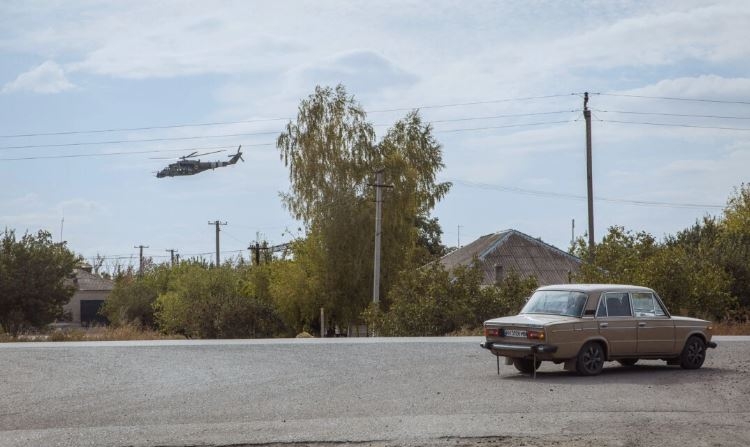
<point x="585" y="325"/>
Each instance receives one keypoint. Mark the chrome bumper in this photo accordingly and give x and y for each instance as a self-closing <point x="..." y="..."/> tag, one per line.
<point x="519" y="348"/>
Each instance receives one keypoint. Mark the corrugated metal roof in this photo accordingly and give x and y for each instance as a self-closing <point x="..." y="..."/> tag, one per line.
<point x="515" y="251"/>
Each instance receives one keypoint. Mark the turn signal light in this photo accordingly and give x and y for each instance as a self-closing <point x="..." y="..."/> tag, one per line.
<point x="535" y="335"/>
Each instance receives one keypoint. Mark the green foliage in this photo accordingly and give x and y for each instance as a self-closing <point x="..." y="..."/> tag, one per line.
<point x="132" y="300"/>
<point x="224" y="302"/>
<point x="683" y="278"/>
<point x="332" y="156"/>
<point x="33" y="289"/>
<point x="505" y="298"/>
<point x="433" y="301"/>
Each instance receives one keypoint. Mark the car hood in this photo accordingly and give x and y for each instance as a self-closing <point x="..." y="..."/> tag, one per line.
<point x="531" y="319"/>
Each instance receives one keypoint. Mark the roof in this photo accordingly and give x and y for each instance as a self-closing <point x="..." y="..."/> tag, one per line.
<point x="84" y="280"/>
<point x="588" y="288"/>
<point x="515" y="251"/>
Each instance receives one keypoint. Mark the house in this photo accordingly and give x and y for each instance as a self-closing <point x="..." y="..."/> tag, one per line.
<point x="511" y="250"/>
<point x="91" y="292"/>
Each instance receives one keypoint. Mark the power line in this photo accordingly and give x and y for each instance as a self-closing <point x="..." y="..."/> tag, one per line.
<point x="673" y="98"/>
<point x="473" y="103"/>
<point x="538" y="193"/>
<point x="684" y="115"/>
<point x="502" y="127"/>
<point x="41" y="146"/>
<point x="130" y="129"/>
<point x="145" y="140"/>
<point x="694" y="126"/>
<point x="512" y="115"/>
<point x="111" y="154"/>
<point x="261" y="120"/>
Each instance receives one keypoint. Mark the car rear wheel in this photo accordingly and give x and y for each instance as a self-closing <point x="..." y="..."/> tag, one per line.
<point x="526" y="366"/>
<point x="627" y="362"/>
<point x="590" y="359"/>
<point x="693" y="354"/>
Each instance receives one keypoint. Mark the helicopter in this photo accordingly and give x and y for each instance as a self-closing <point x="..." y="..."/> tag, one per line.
<point x="185" y="166"/>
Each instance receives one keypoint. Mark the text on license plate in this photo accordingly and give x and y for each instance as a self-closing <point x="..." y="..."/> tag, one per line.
<point x="514" y="333"/>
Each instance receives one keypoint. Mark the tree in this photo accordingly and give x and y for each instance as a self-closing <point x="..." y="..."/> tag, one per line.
<point x="33" y="286"/>
<point x="132" y="300"/>
<point x="331" y="154"/>
<point x="218" y="302"/>
<point x="685" y="280"/>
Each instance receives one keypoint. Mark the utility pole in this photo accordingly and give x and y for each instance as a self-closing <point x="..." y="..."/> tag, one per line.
<point x="218" y="257"/>
<point x="458" y="236"/>
<point x="572" y="232"/>
<point x="140" y="257"/>
<point x="589" y="175"/>
<point x="378" y="231"/>
<point x="171" y="255"/>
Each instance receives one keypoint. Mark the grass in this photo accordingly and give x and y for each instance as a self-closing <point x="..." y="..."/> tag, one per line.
<point x="732" y="328"/>
<point x="105" y="333"/>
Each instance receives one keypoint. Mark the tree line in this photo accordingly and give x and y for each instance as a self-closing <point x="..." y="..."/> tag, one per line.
<point x="331" y="152"/>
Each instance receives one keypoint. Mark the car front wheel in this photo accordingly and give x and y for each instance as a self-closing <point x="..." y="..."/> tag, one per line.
<point x="590" y="359"/>
<point x="693" y="354"/>
<point x="526" y="366"/>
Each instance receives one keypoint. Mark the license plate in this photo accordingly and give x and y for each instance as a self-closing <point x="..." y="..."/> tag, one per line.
<point x="514" y="333"/>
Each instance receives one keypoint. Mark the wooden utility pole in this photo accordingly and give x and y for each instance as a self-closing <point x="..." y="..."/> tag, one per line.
<point x="140" y="257"/>
<point x="171" y="255"/>
<point x="379" y="185"/>
<point x="218" y="257"/>
<point x="589" y="175"/>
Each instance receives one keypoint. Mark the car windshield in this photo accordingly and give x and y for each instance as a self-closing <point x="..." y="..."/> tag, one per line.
<point x="555" y="302"/>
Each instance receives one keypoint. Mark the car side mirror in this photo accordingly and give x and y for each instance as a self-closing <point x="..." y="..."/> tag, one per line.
<point x="589" y="312"/>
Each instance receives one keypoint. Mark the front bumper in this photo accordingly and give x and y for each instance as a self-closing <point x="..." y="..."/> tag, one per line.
<point x="536" y="349"/>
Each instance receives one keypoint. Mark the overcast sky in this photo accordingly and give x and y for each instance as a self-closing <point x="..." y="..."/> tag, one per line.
<point x="69" y="66"/>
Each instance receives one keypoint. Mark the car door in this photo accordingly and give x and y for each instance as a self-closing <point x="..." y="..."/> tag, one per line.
<point x="616" y="323"/>
<point x="655" y="328"/>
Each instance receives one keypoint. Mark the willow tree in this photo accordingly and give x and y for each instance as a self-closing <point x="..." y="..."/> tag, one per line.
<point x="332" y="155"/>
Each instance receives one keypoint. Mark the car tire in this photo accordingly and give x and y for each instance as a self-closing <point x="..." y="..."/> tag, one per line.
<point x="693" y="354"/>
<point x="526" y="366"/>
<point x="590" y="359"/>
<point x="627" y="362"/>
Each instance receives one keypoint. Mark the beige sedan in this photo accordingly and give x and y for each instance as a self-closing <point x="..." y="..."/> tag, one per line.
<point x="584" y="325"/>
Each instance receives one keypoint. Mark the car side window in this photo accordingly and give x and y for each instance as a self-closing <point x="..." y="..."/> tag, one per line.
<point x="618" y="304"/>
<point x="601" y="310"/>
<point x="646" y="305"/>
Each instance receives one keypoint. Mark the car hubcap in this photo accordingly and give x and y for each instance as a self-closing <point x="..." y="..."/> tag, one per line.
<point x="592" y="359"/>
<point x="695" y="353"/>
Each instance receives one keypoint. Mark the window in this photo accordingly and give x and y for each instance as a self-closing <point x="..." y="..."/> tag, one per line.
<point x="617" y="304"/>
<point x="645" y="305"/>
<point x="556" y="302"/>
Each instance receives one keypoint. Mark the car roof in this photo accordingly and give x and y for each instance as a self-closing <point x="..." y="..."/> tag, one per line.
<point x="588" y="288"/>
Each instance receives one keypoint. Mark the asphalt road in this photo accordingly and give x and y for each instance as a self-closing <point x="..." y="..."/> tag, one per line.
<point x="376" y="392"/>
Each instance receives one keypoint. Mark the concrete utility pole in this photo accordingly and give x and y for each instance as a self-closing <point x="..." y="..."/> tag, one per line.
<point x="140" y="257"/>
<point x="218" y="257"/>
<point x="378" y="232"/>
<point x="589" y="175"/>
<point x="171" y="254"/>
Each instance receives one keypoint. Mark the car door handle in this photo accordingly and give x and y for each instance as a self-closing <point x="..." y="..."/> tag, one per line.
<point x="641" y="324"/>
<point x="603" y="324"/>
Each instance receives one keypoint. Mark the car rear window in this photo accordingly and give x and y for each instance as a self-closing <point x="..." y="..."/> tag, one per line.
<point x="556" y="302"/>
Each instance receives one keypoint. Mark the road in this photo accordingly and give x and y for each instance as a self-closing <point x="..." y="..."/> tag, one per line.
<point x="375" y="392"/>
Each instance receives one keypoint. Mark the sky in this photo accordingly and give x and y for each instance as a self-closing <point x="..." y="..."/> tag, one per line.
<point x="92" y="92"/>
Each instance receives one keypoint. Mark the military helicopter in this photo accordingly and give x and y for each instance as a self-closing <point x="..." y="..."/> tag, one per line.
<point x="190" y="167"/>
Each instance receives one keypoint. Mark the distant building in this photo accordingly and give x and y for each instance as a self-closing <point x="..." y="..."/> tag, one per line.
<point x="510" y="250"/>
<point x="91" y="292"/>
